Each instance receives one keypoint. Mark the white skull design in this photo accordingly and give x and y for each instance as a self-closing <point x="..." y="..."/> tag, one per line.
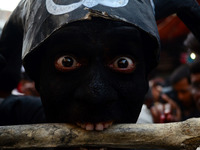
<point x="56" y="9"/>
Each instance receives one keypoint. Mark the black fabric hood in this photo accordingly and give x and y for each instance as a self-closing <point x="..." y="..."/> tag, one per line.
<point x="43" y="17"/>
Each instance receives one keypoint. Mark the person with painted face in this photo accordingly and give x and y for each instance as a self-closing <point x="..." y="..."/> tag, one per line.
<point x="89" y="59"/>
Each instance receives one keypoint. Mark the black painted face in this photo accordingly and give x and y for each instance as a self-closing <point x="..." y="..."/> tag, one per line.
<point x="93" y="72"/>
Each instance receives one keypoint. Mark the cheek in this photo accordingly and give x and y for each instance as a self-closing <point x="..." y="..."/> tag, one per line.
<point x="135" y="85"/>
<point x="50" y="84"/>
<point x="53" y="87"/>
<point x="133" y="90"/>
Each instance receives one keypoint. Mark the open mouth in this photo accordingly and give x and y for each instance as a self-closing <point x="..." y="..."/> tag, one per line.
<point x="85" y="149"/>
<point x="93" y="149"/>
<point x="95" y="126"/>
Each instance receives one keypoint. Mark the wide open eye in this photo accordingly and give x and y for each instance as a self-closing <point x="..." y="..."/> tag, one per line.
<point x="123" y="65"/>
<point x="66" y="63"/>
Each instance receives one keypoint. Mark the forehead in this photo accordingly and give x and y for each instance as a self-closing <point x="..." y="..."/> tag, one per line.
<point x="97" y="28"/>
<point x="87" y="36"/>
<point x="183" y="83"/>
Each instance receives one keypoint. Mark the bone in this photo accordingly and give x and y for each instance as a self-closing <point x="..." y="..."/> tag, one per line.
<point x="182" y="135"/>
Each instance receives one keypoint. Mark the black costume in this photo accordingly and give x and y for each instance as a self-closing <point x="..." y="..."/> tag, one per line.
<point x="34" y="22"/>
<point x="15" y="110"/>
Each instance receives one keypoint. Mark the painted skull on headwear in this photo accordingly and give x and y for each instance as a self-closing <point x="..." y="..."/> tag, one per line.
<point x="56" y="9"/>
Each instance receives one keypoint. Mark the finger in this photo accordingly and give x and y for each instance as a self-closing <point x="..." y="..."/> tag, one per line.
<point x="166" y="98"/>
<point x="155" y="114"/>
<point x="170" y="101"/>
<point x="167" y="108"/>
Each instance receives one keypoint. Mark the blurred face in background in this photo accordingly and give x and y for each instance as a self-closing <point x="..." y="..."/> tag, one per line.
<point x="183" y="90"/>
<point x="195" y="81"/>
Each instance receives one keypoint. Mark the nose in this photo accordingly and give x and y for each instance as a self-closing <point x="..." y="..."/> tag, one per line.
<point x="96" y="89"/>
<point x="180" y="96"/>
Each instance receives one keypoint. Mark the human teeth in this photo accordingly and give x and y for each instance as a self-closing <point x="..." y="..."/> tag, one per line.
<point x="98" y="126"/>
<point x="89" y="127"/>
<point x="93" y="149"/>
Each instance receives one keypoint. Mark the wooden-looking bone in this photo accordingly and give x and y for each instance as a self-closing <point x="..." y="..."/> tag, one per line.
<point x="182" y="135"/>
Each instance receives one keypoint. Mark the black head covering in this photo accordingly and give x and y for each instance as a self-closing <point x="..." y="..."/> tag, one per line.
<point x="36" y="20"/>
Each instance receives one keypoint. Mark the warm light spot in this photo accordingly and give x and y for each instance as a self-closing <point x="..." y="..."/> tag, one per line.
<point x="193" y="55"/>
